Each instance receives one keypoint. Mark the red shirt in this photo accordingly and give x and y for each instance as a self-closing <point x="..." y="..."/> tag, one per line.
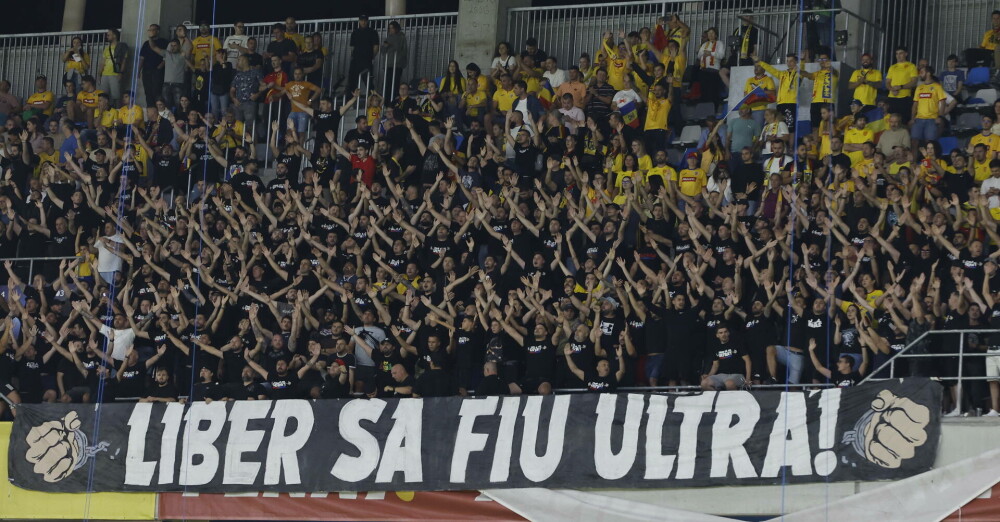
<point x="367" y="168"/>
<point x="277" y="78"/>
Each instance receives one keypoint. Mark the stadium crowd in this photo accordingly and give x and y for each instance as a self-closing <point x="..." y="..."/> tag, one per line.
<point x="512" y="227"/>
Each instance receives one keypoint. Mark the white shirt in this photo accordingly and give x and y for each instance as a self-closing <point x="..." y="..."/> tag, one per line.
<point x="623" y="97"/>
<point x="233" y="53"/>
<point x="120" y="339"/>
<point x="777" y="129"/>
<point x="555" y="78"/>
<point x="716" y="52"/>
<point x="506" y="65"/>
<point x="775" y="164"/>
<point x="108" y="260"/>
<point x="573" y="118"/>
<point x="989" y="184"/>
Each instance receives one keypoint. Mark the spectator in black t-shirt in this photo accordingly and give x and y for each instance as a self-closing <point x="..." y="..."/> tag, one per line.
<point x="336" y="384"/>
<point x="844" y="376"/>
<point x="132" y="372"/>
<point x="208" y="389"/>
<point x="162" y="390"/>
<point x="283" y="383"/>
<point x="731" y="366"/>
<point x="434" y="382"/>
<point x="402" y="385"/>
<point x="601" y="380"/>
<point x="364" y="47"/>
<point x="282" y="47"/>
<point x="491" y="383"/>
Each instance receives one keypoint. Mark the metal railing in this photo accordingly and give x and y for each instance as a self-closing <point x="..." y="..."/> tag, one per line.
<point x="934" y="29"/>
<point x="19" y="263"/>
<point x="430" y="39"/>
<point x="961" y="378"/>
<point x="565" y="32"/>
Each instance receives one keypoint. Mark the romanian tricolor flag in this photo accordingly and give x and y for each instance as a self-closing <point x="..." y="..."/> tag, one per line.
<point x="546" y="95"/>
<point x="757" y="95"/>
<point x="630" y="114"/>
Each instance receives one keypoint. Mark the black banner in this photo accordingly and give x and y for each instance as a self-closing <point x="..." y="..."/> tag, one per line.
<point x="887" y="430"/>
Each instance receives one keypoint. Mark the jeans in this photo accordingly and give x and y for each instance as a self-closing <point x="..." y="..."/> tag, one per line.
<point x="172" y="93"/>
<point x="794" y="361"/>
<point x="217" y="104"/>
<point x="301" y="121"/>
<point x="246" y="112"/>
<point x="112" y="84"/>
<point x="924" y="129"/>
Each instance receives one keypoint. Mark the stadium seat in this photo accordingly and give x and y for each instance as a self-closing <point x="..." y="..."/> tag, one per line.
<point x="977" y="77"/>
<point x="969" y="121"/>
<point x="948" y="144"/>
<point x="983" y="98"/>
<point x="690" y="135"/>
<point x="803" y="127"/>
<point x="703" y="110"/>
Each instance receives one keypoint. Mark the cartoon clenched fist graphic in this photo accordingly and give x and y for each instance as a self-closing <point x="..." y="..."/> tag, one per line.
<point x="55" y="448"/>
<point x="892" y="430"/>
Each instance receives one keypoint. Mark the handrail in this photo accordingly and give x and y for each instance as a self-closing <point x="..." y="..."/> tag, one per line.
<point x="920" y="338"/>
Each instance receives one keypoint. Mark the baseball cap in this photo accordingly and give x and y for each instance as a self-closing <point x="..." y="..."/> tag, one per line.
<point x="857" y="102"/>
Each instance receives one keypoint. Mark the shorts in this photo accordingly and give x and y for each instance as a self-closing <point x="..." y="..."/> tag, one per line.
<point x="529" y="385"/>
<point x="77" y="392"/>
<point x="718" y="381"/>
<point x="993" y="367"/>
<point x="654" y="365"/>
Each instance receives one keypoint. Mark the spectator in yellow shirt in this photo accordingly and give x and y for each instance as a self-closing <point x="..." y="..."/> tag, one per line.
<point x="691" y="180"/>
<point x="865" y="82"/>
<point x="42" y="101"/>
<point x="473" y="103"/>
<point x="204" y="45"/>
<point x="980" y="163"/>
<point x="661" y="174"/>
<point x="824" y="87"/>
<point x="900" y="80"/>
<point x="855" y="137"/>
<point x="762" y="80"/>
<point x="657" y="112"/>
<point x="992" y="36"/>
<point x="987" y="138"/>
<point x="130" y="114"/>
<point x="788" y="87"/>
<point x="927" y="106"/>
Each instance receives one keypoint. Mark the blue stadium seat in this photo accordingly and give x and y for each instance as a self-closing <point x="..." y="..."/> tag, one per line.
<point x="948" y="144"/>
<point x="803" y="127"/>
<point x="977" y="76"/>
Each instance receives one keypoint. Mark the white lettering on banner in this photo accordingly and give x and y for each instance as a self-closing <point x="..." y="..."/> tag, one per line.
<point x="534" y="467"/>
<point x="355" y="469"/>
<point x="728" y="438"/>
<point x="242" y="440"/>
<point x="609" y="464"/>
<point x="172" y="417"/>
<point x="402" y="446"/>
<point x="658" y="465"/>
<point x="500" y="470"/>
<point x="282" y="449"/>
<point x="693" y="408"/>
<point x="784" y="451"/>
<point x="466" y="440"/>
<point x="201" y="442"/>
<point x="139" y="472"/>
<point x="829" y="404"/>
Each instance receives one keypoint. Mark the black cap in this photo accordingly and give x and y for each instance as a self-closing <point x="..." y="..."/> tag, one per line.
<point x="363" y="17"/>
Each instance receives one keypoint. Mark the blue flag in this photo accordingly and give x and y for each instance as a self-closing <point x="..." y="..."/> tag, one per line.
<point x="630" y="114"/>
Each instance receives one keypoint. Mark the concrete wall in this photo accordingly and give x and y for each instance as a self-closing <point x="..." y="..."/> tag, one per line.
<point x="135" y="21"/>
<point x="481" y="24"/>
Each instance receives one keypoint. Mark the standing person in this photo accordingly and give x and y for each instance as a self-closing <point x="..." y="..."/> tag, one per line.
<point x="311" y="60"/>
<point x="236" y="43"/>
<point x="204" y="45"/>
<point x="866" y="82"/>
<point x="788" y="87"/>
<point x="824" y="91"/>
<point x="927" y="99"/>
<point x="219" y="84"/>
<point x="151" y="66"/>
<point x="364" y="47"/>
<point x="900" y="80"/>
<point x="282" y="47"/>
<point x="744" y="41"/>
<point x="244" y="90"/>
<point x="174" y="67"/>
<point x="710" y="60"/>
<point x="396" y="52"/>
<point x="762" y="80"/>
<point x="113" y="62"/>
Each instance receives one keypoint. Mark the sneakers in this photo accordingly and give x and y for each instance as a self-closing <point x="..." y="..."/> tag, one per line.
<point x="992" y="413"/>
<point x="957" y="412"/>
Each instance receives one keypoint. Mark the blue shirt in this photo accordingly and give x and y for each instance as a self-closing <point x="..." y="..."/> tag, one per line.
<point x="68" y="145"/>
<point x="951" y="79"/>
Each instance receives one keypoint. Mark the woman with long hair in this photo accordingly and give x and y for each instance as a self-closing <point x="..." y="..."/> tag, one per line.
<point x="503" y="61"/>
<point x="77" y="62"/>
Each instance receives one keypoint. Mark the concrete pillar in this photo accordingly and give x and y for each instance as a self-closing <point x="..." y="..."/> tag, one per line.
<point x="395" y="7"/>
<point x="135" y="21"/>
<point x="862" y="37"/>
<point x="73" y="15"/>
<point x="481" y="24"/>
